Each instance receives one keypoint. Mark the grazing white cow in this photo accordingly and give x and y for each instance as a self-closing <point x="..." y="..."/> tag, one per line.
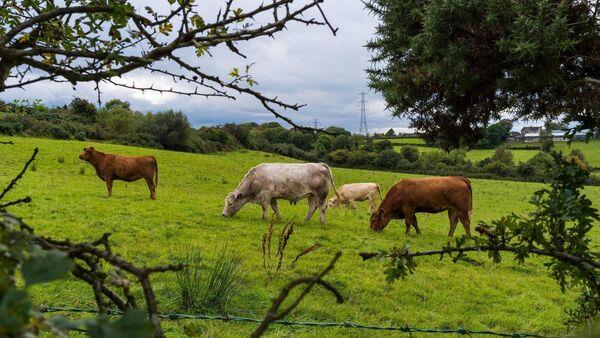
<point x="349" y="194"/>
<point x="268" y="182"/>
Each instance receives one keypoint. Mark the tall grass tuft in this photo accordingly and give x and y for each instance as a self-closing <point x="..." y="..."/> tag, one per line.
<point x="208" y="288"/>
<point x="61" y="159"/>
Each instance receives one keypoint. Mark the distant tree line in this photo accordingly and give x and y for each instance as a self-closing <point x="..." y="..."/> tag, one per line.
<point x="116" y="122"/>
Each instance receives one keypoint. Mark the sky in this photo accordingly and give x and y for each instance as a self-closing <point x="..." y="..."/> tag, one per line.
<point x="305" y="65"/>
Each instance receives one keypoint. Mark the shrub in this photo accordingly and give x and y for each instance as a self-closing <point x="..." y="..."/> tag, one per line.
<point x="339" y="157"/>
<point x="388" y="159"/>
<point x="361" y="158"/>
<point x="383" y="145"/>
<point x="61" y="159"/>
<point x="503" y="155"/>
<point x="498" y="168"/>
<point x="430" y="159"/>
<point x="542" y="164"/>
<point x="59" y="133"/>
<point x="456" y="157"/>
<point x="410" y="153"/>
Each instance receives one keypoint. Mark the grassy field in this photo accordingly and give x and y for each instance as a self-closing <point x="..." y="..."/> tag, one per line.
<point x="591" y="150"/>
<point x="69" y="203"/>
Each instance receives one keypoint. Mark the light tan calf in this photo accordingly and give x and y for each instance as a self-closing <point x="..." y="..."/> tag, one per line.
<point x="349" y="194"/>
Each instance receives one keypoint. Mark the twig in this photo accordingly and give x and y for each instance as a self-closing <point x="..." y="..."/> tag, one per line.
<point x="274" y="313"/>
<point x="305" y="251"/>
<point x="20" y="175"/>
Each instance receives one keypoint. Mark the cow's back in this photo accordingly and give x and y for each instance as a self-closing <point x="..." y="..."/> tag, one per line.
<point x="434" y="194"/>
<point x="357" y="190"/>
<point x="289" y="180"/>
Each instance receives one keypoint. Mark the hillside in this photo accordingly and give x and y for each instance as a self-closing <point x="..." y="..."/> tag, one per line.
<point x="69" y="201"/>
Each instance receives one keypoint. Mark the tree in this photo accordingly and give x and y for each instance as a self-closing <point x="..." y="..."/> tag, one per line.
<point x="83" y="110"/>
<point x="383" y="145"/>
<point x="452" y="66"/>
<point x="82" y="41"/>
<point x="495" y="134"/>
<point x="390" y="132"/>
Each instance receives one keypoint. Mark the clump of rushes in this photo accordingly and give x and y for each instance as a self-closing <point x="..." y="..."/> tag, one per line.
<point x="208" y="288"/>
<point x="61" y="159"/>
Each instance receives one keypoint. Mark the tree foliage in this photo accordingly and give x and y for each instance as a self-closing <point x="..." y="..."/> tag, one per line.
<point x="451" y="66"/>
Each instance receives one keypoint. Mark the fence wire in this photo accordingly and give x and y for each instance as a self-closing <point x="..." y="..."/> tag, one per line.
<point x="404" y="328"/>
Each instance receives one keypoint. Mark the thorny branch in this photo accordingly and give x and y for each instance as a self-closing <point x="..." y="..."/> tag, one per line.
<point x="275" y="313"/>
<point x="40" y="45"/>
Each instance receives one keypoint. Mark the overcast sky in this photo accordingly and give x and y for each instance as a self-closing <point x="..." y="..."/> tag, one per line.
<point x="306" y="65"/>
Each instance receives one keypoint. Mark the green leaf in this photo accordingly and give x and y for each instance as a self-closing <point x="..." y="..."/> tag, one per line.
<point x="14" y="310"/>
<point x="46" y="266"/>
<point x="234" y="73"/>
<point x="133" y="324"/>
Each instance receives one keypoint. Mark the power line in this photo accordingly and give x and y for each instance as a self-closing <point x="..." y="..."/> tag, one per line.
<point x="363" y="115"/>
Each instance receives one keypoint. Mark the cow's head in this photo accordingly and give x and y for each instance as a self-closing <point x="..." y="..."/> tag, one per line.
<point x="333" y="202"/>
<point x="87" y="153"/>
<point x="379" y="219"/>
<point x="234" y="202"/>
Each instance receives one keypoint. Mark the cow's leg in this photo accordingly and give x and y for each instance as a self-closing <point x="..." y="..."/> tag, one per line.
<point x="353" y="204"/>
<point x="151" y="186"/>
<point x="323" y="207"/>
<point x="410" y="219"/>
<point x="265" y="209"/>
<point x="453" y="217"/>
<point x="109" y="183"/>
<point x="372" y="204"/>
<point x="275" y="208"/>
<point x="415" y="224"/>
<point x="466" y="222"/>
<point x="312" y="206"/>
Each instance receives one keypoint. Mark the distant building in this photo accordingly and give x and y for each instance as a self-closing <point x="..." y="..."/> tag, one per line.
<point x="532" y="134"/>
<point x="531" y="130"/>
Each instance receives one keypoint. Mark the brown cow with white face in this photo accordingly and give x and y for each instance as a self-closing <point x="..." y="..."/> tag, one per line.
<point x="429" y="195"/>
<point x="110" y="167"/>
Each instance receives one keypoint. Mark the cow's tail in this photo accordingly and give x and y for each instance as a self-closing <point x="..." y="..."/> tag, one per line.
<point x="155" y="172"/>
<point x="468" y="182"/>
<point x="331" y="180"/>
<point x="379" y="191"/>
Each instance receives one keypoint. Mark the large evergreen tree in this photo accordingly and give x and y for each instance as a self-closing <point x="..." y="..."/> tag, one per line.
<point x="451" y="66"/>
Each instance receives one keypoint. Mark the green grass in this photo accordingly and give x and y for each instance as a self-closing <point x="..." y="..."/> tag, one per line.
<point x="407" y="140"/>
<point x="69" y="203"/>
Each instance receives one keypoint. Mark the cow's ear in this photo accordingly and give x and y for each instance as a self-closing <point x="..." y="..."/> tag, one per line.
<point x="84" y="149"/>
<point x="381" y="211"/>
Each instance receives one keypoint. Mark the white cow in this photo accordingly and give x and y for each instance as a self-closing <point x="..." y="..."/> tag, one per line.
<point x="268" y="182"/>
<point x="349" y="194"/>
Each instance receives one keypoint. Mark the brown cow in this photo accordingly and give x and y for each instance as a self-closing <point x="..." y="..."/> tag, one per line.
<point x="110" y="167"/>
<point x="430" y="195"/>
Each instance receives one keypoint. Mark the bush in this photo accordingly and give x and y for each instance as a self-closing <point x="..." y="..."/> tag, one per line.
<point x="430" y="159"/>
<point x="361" y="158"/>
<point x="503" y="155"/>
<point x="410" y="153"/>
<point x="456" y="157"/>
<point x="388" y="159"/>
<point x="542" y="164"/>
<point x="383" y="145"/>
<point x="339" y="157"/>
<point x="59" y="133"/>
<point x="498" y="168"/>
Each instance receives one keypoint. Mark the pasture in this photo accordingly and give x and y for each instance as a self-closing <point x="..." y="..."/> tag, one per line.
<point x="591" y="150"/>
<point x="70" y="201"/>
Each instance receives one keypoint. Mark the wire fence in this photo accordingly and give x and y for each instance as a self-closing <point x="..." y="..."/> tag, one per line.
<point x="405" y="328"/>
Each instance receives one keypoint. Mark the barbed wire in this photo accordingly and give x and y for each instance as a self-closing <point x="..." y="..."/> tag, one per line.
<point x="405" y="328"/>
